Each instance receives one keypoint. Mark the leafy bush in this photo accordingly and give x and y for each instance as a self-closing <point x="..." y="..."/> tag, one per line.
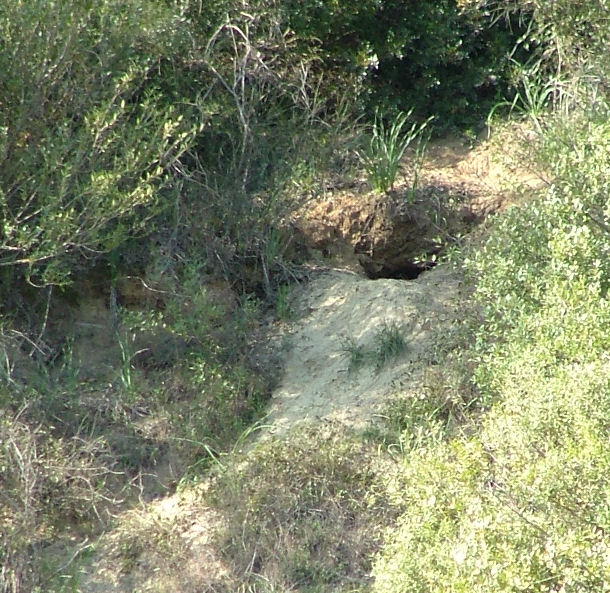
<point x="484" y="517"/>
<point x="553" y="244"/>
<point x="520" y="504"/>
<point x="520" y="501"/>
<point x="571" y="37"/>
<point x="446" y="59"/>
<point x="86" y="140"/>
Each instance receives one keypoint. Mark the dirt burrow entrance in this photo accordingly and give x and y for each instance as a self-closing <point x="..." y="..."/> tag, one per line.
<point x="399" y="234"/>
<point x="382" y="237"/>
<point x="339" y="311"/>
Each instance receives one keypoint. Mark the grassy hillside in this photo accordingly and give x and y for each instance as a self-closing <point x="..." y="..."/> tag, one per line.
<point x="150" y="157"/>
<point x="519" y="502"/>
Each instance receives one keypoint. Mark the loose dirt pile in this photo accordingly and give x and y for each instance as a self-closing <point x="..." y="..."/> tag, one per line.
<point x="344" y="314"/>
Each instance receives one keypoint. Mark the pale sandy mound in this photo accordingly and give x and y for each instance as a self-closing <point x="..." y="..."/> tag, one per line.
<point x="340" y="308"/>
<point x="168" y="545"/>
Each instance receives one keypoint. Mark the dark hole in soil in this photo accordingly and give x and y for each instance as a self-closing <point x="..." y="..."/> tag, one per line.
<point x="407" y="272"/>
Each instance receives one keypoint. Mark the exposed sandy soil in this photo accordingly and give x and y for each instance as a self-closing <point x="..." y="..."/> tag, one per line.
<point x="486" y="172"/>
<point x="338" y="307"/>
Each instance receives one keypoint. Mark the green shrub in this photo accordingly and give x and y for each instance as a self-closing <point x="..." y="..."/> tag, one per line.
<point x="446" y="59"/>
<point x="86" y="140"/>
<point x="571" y="37"/>
<point x="552" y="249"/>
<point x="520" y="504"/>
<point x="484" y="517"/>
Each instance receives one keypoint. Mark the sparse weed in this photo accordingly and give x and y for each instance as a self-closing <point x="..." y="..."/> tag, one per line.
<point x="356" y="353"/>
<point x="47" y="482"/>
<point x="282" y="303"/>
<point x="389" y="344"/>
<point x="303" y="513"/>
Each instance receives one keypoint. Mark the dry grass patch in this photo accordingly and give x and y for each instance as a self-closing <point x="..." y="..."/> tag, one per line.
<point x="163" y="547"/>
<point x="303" y="514"/>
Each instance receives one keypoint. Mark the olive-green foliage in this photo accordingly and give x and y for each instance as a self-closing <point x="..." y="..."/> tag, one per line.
<point x="303" y="512"/>
<point x="86" y="140"/>
<point x="492" y="515"/>
<point x="383" y="155"/>
<point x="553" y="243"/>
<point x="520" y="503"/>
<point x="570" y="37"/>
<point x="267" y="138"/>
<point x="446" y="59"/>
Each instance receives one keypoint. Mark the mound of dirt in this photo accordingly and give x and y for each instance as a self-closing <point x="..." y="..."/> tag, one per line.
<point x="343" y="314"/>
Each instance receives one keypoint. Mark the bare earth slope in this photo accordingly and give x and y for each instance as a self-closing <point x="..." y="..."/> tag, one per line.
<point x="341" y="308"/>
<point x="337" y="306"/>
<point x="336" y="311"/>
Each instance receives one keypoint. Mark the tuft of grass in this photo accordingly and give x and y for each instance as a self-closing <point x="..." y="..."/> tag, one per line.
<point x="355" y="352"/>
<point x="282" y="303"/>
<point x="386" y="147"/>
<point x="389" y="344"/>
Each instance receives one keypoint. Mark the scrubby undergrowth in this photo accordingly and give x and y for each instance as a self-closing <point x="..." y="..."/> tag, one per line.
<point x="519" y="502"/>
<point x="145" y="237"/>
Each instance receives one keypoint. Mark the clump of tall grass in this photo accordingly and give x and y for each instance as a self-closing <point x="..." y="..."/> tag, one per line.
<point x="386" y="147"/>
